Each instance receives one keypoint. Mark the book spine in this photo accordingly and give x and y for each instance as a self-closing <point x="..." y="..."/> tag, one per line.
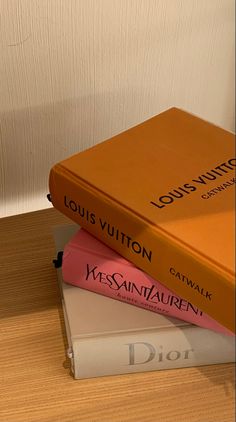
<point x="158" y="254"/>
<point x="150" y="351"/>
<point x="87" y="265"/>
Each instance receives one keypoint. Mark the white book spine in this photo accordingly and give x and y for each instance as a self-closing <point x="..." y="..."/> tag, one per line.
<point x="149" y="351"/>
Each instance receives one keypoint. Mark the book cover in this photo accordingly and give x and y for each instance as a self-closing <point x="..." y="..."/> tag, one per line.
<point x="90" y="264"/>
<point x="162" y="195"/>
<point x="109" y="337"/>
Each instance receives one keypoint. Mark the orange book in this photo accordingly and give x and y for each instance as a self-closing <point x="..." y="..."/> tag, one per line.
<point x="162" y="195"/>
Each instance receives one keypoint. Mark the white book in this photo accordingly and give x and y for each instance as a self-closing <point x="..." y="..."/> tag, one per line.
<point x="109" y="337"/>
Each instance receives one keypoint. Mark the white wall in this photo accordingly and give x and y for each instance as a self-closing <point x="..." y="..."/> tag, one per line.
<point x="75" y="72"/>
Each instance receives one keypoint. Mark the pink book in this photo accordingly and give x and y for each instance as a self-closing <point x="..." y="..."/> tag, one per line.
<point x="91" y="265"/>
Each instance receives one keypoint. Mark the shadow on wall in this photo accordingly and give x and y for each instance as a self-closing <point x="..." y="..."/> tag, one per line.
<point x="32" y="140"/>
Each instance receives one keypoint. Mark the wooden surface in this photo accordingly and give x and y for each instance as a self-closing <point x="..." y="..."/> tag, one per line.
<point x="36" y="384"/>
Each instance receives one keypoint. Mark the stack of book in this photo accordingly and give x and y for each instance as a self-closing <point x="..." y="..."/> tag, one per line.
<point x="148" y="281"/>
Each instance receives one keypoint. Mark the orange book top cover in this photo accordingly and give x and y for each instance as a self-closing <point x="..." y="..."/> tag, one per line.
<point x="162" y="195"/>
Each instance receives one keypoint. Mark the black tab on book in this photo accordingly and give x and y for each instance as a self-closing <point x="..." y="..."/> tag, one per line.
<point x="49" y="197"/>
<point x="58" y="261"/>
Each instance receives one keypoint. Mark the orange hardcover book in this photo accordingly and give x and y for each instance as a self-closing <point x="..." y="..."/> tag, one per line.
<point x="162" y="195"/>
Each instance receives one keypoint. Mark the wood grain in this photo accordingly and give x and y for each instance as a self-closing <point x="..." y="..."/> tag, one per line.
<point x="36" y="384"/>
